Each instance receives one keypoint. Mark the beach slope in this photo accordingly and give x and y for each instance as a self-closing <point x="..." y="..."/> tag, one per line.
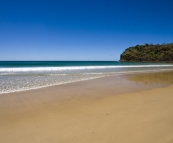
<point x="141" y="116"/>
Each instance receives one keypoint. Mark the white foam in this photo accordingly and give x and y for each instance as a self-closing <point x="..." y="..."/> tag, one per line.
<point x="33" y="69"/>
<point x="48" y="85"/>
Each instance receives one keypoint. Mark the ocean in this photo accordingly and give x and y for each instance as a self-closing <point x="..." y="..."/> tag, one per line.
<point x="18" y="76"/>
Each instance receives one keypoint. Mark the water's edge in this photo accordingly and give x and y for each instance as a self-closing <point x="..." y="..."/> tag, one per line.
<point x="112" y="74"/>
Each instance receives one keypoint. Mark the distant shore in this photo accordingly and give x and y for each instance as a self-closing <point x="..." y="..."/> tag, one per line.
<point x="130" y="108"/>
<point x="148" y="53"/>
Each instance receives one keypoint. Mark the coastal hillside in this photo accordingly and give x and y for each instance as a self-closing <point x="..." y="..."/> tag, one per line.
<point x="148" y="53"/>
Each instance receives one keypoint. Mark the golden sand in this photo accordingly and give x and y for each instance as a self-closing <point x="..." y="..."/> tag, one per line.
<point x="106" y="110"/>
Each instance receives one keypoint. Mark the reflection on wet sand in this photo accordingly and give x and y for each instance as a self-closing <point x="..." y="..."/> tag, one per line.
<point x="150" y="78"/>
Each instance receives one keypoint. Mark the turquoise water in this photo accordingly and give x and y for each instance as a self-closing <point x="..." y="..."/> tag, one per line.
<point x="25" y="75"/>
<point x="10" y="64"/>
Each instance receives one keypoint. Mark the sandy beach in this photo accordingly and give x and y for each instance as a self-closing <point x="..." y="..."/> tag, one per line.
<point x="115" y="109"/>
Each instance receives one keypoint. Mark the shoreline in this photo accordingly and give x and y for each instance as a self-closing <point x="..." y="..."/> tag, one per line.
<point x="115" y="74"/>
<point x="109" y="109"/>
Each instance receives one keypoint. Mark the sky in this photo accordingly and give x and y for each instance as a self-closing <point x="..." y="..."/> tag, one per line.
<point x="81" y="30"/>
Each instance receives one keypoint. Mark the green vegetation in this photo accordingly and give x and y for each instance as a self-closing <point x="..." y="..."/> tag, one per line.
<point x="148" y="53"/>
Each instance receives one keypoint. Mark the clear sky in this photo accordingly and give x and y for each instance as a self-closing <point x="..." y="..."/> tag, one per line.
<point x="81" y="29"/>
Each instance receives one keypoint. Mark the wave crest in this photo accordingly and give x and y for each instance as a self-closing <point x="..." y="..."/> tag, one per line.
<point x="32" y="69"/>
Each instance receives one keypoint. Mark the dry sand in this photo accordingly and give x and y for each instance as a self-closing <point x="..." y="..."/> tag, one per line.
<point x="106" y="110"/>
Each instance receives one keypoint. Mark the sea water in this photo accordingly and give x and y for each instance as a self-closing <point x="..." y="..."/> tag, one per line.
<point x="18" y="76"/>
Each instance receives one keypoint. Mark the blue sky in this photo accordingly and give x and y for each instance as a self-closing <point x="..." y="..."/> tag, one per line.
<point x="81" y="29"/>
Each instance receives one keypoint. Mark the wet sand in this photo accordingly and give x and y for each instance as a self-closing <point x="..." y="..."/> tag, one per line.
<point x="136" y="108"/>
